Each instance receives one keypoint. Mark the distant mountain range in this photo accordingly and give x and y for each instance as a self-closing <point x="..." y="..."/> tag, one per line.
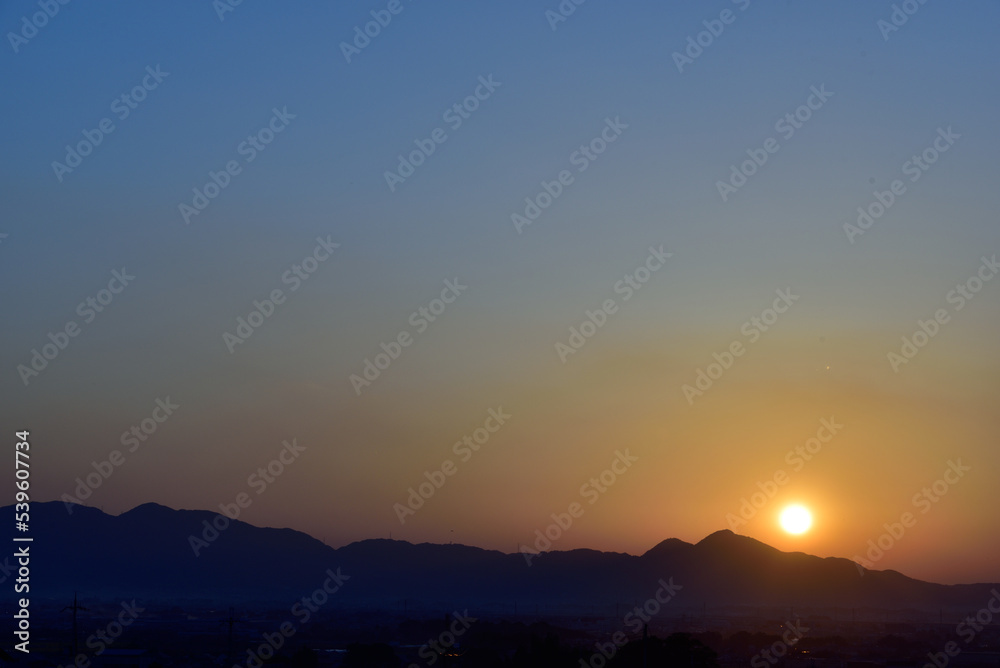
<point x="147" y="552"/>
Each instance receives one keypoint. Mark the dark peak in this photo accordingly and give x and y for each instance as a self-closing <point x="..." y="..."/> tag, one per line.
<point x="721" y="536"/>
<point x="380" y="542"/>
<point x="725" y="539"/>
<point x="148" y="509"/>
<point x="668" y="546"/>
<point x="58" y="509"/>
<point x="61" y="505"/>
<point x="576" y="555"/>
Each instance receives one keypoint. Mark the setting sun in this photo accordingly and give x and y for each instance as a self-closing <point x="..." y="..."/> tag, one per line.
<point x="796" y="519"/>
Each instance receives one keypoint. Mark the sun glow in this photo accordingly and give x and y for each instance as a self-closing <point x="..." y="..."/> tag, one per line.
<point x="796" y="519"/>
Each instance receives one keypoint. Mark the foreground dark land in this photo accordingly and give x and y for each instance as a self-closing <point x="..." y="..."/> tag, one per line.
<point x="124" y="633"/>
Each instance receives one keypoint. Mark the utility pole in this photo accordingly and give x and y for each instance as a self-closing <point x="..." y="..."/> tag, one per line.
<point x="74" y="608"/>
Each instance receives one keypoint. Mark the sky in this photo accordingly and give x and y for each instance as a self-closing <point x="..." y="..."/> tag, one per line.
<point x="591" y="207"/>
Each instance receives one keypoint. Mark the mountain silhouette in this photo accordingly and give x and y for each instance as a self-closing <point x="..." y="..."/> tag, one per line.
<point x="148" y="552"/>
